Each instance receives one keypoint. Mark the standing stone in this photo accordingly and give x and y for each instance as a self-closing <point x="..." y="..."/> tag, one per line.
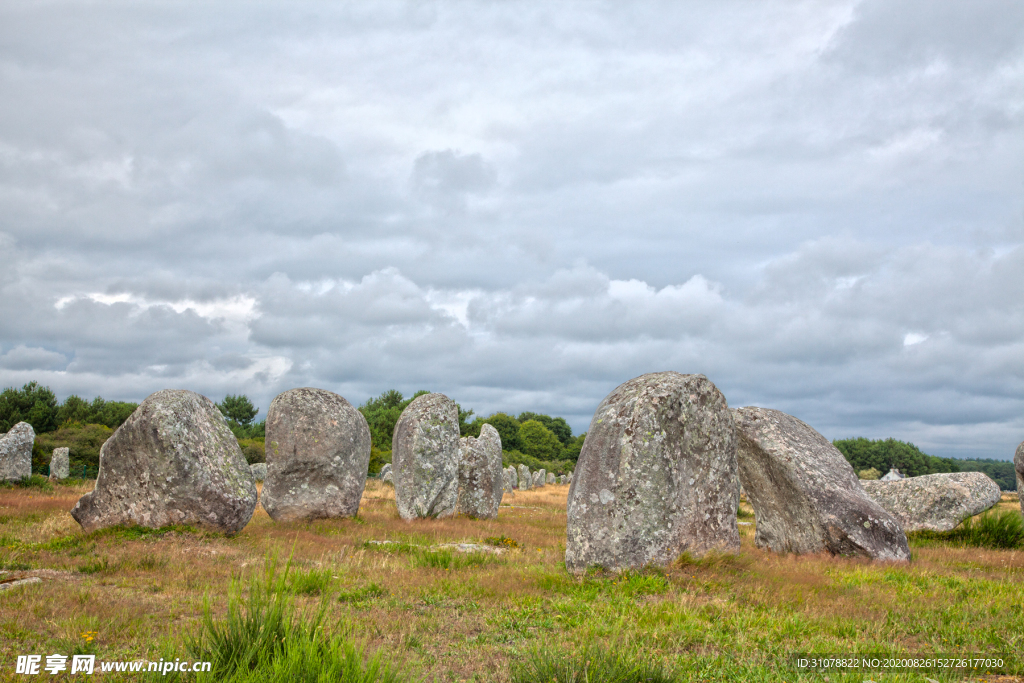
<point x="425" y="459"/>
<point x="525" y="479"/>
<point x="481" y="483"/>
<point x="318" y="453"/>
<point x="513" y="477"/>
<point x="935" y="502"/>
<point x="1018" y="466"/>
<point x="561" y="480"/>
<point x="389" y="477"/>
<point x="16" y="452"/>
<point x="551" y="478"/>
<point x="806" y="496"/>
<point x="173" y="461"/>
<point x="60" y="463"/>
<point x="568" y="477"/>
<point x="657" y="476"/>
<point x="892" y="475"/>
<point x="539" y="478"/>
<point x="384" y="470"/>
<point x="259" y="471"/>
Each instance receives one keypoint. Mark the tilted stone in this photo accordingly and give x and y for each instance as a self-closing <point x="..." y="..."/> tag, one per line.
<point x="806" y="496"/>
<point x="318" y="453"/>
<point x="1018" y="466"/>
<point x="425" y="458"/>
<point x="16" y="452"/>
<point x="480" y="475"/>
<point x="259" y="471"/>
<point x="60" y="463"/>
<point x="935" y="502"/>
<point x="657" y="476"/>
<point x="173" y="461"/>
<point x="525" y="478"/>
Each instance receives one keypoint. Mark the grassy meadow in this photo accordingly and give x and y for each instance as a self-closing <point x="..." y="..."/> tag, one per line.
<point x="422" y="611"/>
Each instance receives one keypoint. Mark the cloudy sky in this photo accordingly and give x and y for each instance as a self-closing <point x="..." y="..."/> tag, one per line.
<point x="818" y="205"/>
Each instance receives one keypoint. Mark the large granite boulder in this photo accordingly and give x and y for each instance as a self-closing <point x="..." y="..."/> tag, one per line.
<point x="525" y="478"/>
<point x="481" y="483"/>
<point x="60" y="463"/>
<point x="259" y="471"/>
<point x="657" y="476"/>
<point x="1018" y="466"/>
<point x="935" y="502"/>
<point x="425" y="458"/>
<point x="318" y="453"/>
<point x="173" y="461"/>
<point x="806" y="496"/>
<point x="16" y="452"/>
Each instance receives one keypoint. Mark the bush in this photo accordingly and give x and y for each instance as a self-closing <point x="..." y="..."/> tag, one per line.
<point x="254" y="450"/>
<point x="592" y="664"/>
<point x="870" y="474"/>
<point x="265" y="638"/>
<point x="83" y="443"/>
<point x="1003" y="529"/>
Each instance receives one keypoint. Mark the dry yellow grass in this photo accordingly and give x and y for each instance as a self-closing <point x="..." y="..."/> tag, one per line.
<point x="469" y="621"/>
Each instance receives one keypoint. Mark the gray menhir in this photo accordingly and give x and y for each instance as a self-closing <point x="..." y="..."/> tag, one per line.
<point x="318" y="453"/>
<point x="481" y="480"/>
<point x="656" y="476"/>
<point x="425" y="458"/>
<point x="16" y="452"/>
<point x="806" y="496"/>
<point x="173" y="461"/>
<point x="1018" y="466"/>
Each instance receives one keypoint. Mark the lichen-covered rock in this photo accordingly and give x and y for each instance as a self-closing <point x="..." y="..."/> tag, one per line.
<point x="509" y="487"/>
<point x="1018" y="466"/>
<point x="539" y="478"/>
<point x="425" y="458"/>
<point x="16" y="452"/>
<point x="384" y="470"/>
<point x="60" y="463"/>
<point x="318" y="453"/>
<point x="513" y="477"/>
<point x="551" y="479"/>
<point x="806" y="496"/>
<point x="657" y="476"/>
<point x="481" y="483"/>
<point x="259" y="471"/>
<point x="389" y="477"/>
<point x="935" y="502"/>
<point x="173" y="461"/>
<point x="525" y="478"/>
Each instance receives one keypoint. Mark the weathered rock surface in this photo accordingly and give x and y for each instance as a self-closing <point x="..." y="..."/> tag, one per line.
<point x="806" y="496"/>
<point x="481" y="483"/>
<point x="318" y="452"/>
<point x="551" y="478"/>
<point x="513" y="477"/>
<point x="384" y="470"/>
<point x="539" y="478"/>
<point x="892" y="475"/>
<point x="425" y="458"/>
<point x="16" y="452"/>
<point x="173" y="461"/>
<point x="935" y="502"/>
<point x="1018" y="466"/>
<point x="259" y="471"/>
<point x="657" y="476"/>
<point x="389" y="477"/>
<point x="60" y="463"/>
<point x="525" y="478"/>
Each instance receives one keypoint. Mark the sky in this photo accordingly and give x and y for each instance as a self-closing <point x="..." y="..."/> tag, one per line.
<point x="817" y="205"/>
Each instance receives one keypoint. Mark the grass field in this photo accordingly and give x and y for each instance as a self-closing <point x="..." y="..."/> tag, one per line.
<point x="435" y="613"/>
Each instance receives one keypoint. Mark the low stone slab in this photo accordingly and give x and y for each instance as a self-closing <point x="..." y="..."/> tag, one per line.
<point x="935" y="502"/>
<point x="60" y="463"/>
<point x="806" y="496"/>
<point x="16" y="452"/>
<point x="173" y="461"/>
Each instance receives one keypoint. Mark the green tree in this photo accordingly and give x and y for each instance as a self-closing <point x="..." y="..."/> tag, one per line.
<point x="539" y="441"/>
<point x="34" y="404"/>
<point x="382" y="415"/>
<point x="557" y="425"/>
<point x="885" y="454"/>
<point x="508" y="430"/>
<point x="110" y="413"/>
<point x="573" y="448"/>
<point x="239" y="409"/>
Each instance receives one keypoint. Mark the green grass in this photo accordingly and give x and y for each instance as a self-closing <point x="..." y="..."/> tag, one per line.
<point x="445" y="558"/>
<point x="35" y="481"/>
<point x="1001" y="529"/>
<point x="310" y="581"/>
<point x="591" y="664"/>
<point x="362" y="594"/>
<point x="265" y="637"/>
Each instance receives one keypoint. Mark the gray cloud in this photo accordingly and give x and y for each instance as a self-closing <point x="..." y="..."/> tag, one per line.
<point x="818" y="205"/>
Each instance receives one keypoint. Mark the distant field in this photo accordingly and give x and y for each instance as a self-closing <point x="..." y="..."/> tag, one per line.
<point x="441" y="615"/>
